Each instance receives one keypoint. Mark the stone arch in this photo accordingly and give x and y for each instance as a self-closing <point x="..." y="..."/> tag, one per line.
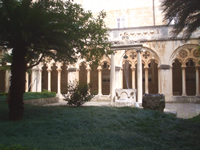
<point x="183" y="52"/>
<point x="179" y="61"/>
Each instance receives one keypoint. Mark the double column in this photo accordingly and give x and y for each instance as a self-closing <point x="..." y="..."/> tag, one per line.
<point x="184" y="81"/>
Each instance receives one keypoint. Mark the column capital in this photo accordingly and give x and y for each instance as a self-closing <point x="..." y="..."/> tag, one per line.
<point x="139" y="50"/>
<point x="133" y="68"/>
<point x="49" y="65"/>
<point x="197" y="66"/>
<point x="99" y="68"/>
<point x="49" y="70"/>
<point x="183" y="66"/>
<point x="59" y="69"/>
<point x="59" y="65"/>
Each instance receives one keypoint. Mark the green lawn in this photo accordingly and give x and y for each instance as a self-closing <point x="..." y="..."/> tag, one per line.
<point x="98" y="128"/>
<point x="32" y="95"/>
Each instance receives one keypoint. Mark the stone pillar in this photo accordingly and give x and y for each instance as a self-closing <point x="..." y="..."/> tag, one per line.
<point x="36" y="79"/>
<point x="159" y="82"/>
<point x="88" y="75"/>
<point x="72" y="75"/>
<point x="7" y="80"/>
<point x="99" y="80"/>
<point x="39" y="84"/>
<point x="139" y="77"/>
<point x="166" y="81"/>
<point x="146" y="81"/>
<point x="183" y="82"/>
<point x="49" y="79"/>
<point x="117" y="77"/>
<point x="112" y="80"/>
<point x="26" y="84"/>
<point x="121" y="74"/>
<point x="33" y="79"/>
<point x="133" y="78"/>
<point x="49" y="76"/>
<point x="197" y="81"/>
<point x="59" y="79"/>
<point x="77" y="74"/>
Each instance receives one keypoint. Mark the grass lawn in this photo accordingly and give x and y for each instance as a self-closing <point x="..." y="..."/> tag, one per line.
<point x="32" y="95"/>
<point x="98" y="128"/>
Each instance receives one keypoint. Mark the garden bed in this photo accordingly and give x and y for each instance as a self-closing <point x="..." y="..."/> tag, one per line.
<point x="42" y="101"/>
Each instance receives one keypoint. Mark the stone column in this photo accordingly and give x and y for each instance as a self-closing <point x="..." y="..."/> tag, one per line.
<point x="26" y="84"/>
<point x="59" y="79"/>
<point x="49" y="79"/>
<point x="112" y="80"/>
<point x="7" y="80"/>
<point x="139" y="77"/>
<point x="197" y="81"/>
<point x="146" y="81"/>
<point x="88" y="75"/>
<point x="33" y="79"/>
<point x="121" y="74"/>
<point x="117" y="77"/>
<point x="49" y="76"/>
<point x="133" y="78"/>
<point x="183" y="82"/>
<point x="159" y="82"/>
<point x="99" y="80"/>
<point x="77" y="74"/>
<point x="39" y="84"/>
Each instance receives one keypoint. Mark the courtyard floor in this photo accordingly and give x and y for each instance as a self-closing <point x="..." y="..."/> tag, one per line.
<point x="181" y="110"/>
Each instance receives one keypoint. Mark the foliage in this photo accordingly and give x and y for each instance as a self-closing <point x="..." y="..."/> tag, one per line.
<point x="62" y="31"/>
<point x="86" y="128"/>
<point x="37" y="30"/>
<point x="185" y="12"/>
<point x="78" y="94"/>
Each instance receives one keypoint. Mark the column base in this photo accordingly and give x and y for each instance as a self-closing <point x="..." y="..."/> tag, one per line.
<point x="59" y="95"/>
<point x="137" y="104"/>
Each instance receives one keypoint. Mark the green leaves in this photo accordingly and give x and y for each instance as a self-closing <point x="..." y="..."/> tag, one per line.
<point x="46" y="25"/>
<point x="185" y="12"/>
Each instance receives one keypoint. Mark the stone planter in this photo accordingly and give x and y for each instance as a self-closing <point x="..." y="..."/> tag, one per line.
<point x="42" y="101"/>
<point x="153" y="102"/>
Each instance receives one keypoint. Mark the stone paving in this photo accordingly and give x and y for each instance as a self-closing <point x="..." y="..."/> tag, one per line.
<point x="181" y="110"/>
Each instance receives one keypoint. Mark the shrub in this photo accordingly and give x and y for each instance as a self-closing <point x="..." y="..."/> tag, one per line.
<point x="78" y="93"/>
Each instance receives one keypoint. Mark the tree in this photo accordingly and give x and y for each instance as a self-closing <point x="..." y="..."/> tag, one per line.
<point x="62" y="31"/>
<point x="185" y="12"/>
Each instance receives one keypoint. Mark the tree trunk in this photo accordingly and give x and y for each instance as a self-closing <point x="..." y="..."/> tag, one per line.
<point x="17" y="89"/>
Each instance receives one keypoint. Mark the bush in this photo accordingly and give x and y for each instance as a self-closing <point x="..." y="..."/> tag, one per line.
<point x="78" y="93"/>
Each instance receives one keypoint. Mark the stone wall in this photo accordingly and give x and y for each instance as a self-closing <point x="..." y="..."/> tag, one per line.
<point x="42" y="101"/>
